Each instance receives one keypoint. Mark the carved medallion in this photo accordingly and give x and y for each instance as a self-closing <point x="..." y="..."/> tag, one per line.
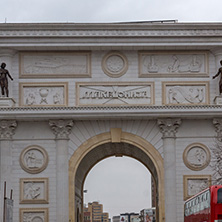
<point x="114" y="64"/>
<point x="34" y="159"/>
<point x="196" y="156"/>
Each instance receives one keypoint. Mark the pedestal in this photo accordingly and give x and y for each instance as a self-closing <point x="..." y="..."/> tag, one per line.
<point x="7" y="102"/>
<point x="218" y="100"/>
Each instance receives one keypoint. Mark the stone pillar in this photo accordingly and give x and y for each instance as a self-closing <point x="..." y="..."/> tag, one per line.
<point x="6" y="56"/>
<point x="62" y="129"/>
<point x="7" y="128"/>
<point x="169" y="128"/>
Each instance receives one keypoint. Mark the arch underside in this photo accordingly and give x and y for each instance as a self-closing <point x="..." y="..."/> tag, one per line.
<point x="88" y="155"/>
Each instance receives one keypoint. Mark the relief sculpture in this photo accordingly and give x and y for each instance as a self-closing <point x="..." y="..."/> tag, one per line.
<point x="195" y="186"/>
<point x="32" y="191"/>
<point x="33" y="217"/>
<point x="172" y="64"/>
<point x="55" y="64"/>
<point x="34" y="159"/>
<point x="196" y="156"/>
<point x="31" y="159"/>
<point x="179" y="95"/>
<point x="185" y="93"/>
<point x="42" y="94"/>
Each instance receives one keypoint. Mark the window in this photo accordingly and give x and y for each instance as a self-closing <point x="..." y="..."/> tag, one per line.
<point x="219" y="195"/>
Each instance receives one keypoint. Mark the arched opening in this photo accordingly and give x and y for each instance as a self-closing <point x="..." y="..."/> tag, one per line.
<point x="121" y="184"/>
<point x="106" y="145"/>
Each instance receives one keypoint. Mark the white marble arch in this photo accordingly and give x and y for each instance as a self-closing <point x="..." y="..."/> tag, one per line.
<point x="84" y="159"/>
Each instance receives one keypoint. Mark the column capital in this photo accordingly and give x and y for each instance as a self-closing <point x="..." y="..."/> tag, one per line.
<point x="7" y="128"/>
<point x="168" y="127"/>
<point x="61" y="128"/>
<point x="218" y="125"/>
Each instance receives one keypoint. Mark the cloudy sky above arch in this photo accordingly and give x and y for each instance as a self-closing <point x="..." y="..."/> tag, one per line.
<point x="110" y="11"/>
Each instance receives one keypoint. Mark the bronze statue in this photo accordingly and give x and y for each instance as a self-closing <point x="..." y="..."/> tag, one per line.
<point x="4" y="80"/>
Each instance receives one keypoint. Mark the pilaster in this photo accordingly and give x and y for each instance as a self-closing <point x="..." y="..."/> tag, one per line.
<point x="62" y="129"/>
<point x="168" y="128"/>
<point x="7" y="129"/>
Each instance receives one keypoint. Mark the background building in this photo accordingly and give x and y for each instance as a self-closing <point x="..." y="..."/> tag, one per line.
<point x="94" y="213"/>
<point x="148" y="215"/>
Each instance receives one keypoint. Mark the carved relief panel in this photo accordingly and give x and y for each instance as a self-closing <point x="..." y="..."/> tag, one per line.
<point x="55" y="64"/>
<point x="43" y="94"/>
<point x="34" y="159"/>
<point x="185" y="93"/>
<point x="193" y="184"/>
<point x="196" y="156"/>
<point x="34" y="215"/>
<point x="173" y="64"/>
<point x="33" y="190"/>
<point x="115" y="93"/>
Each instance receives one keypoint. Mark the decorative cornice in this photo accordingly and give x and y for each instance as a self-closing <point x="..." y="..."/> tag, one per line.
<point x="7" y="128"/>
<point x="218" y="125"/>
<point x="175" y="111"/>
<point x="168" y="127"/>
<point x="61" y="128"/>
<point x="109" y="29"/>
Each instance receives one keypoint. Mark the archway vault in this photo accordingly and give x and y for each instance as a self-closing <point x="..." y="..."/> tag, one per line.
<point x="114" y="143"/>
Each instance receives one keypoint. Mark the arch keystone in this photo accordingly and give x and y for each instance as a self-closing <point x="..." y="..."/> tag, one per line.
<point x="116" y="135"/>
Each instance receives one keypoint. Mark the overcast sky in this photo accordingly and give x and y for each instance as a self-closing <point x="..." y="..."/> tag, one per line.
<point x="110" y="10"/>
<point x="121" y="184"/>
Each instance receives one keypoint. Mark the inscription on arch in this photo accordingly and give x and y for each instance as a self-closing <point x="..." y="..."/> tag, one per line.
<point x="114" y="93"/>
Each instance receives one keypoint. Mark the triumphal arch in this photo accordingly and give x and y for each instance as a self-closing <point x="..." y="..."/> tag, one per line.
<point x="84" y="92"/>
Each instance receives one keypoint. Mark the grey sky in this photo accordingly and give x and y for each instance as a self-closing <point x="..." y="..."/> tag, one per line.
<point x="121" y="184"/>
<point x="109" y="11"/>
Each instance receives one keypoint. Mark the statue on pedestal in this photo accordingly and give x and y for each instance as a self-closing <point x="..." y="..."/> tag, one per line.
<point x="218" y="73"/>
<point x="4" y="73"/>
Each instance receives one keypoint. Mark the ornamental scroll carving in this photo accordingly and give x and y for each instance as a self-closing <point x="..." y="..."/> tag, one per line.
<point x="168" y="64"/>
<point x="61" y="128"/>
<point x="185" y="93"/>
<point x="168" y="127"/>
<point x="34" y="159"/>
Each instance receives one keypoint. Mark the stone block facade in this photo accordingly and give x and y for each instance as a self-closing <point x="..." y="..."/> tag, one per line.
<point x="82" y="92"/>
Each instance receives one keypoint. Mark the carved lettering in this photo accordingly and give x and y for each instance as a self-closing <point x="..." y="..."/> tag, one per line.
<point x="115" y="94"/>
